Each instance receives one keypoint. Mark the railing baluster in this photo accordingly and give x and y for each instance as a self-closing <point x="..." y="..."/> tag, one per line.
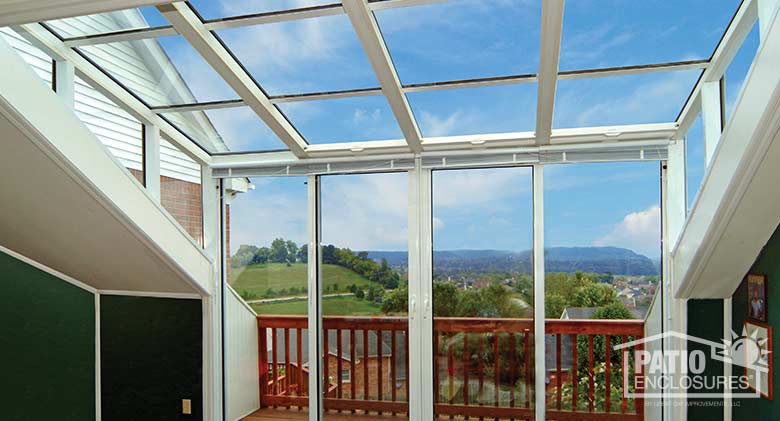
<point x="287" y="373"/>
<point x="352" y="374"/>
<point x="365" y="367"/>
<point x="326" y="361"/>
<point x="496" y="367"/>
<point x="574" y="374"/>
<point x="639" y="403"/>
<point x="274" y="367"/>
<point x="436" y="385"/>
<point x="339" y="388"/>
<point x="558" y="379"/>
<point x="379" y="365"/>
<point x="392" y="367"/>
<point x="590" y="373"/>
<point x="512" y="370"/>
<point x="481" y="368"/>
<point x="406" y="360"/>
<point x="262" y="348"/>
<point x="607" y="373"/>
<point x="466" y="370"/>
<point x="624" y="401"/>
<point x="298" y="348"/>
<point x="451" y="368"/>
<point x="527" y="347"/>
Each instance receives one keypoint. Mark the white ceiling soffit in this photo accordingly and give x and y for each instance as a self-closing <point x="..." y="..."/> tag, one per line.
<point x="17" y="12"/>
<point x="80" y="213"/>
<point x="736" y="210"/>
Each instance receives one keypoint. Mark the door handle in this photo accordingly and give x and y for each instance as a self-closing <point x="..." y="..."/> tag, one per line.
<point x="426" y="306"/>
<point x="412" y="306"/>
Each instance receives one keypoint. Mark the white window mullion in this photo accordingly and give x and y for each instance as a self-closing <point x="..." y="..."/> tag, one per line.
<point x="539" y="274"/>
<point x="315" y="297"/>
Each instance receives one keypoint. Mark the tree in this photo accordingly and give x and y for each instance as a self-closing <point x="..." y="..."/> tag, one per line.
<point x="303" y="254"/>
<point x="359" y="294"/>
<point x="396" y="301"/>
<point x="554" y="304"/>
<point x="594" y="295"/>
<point x="244" y="256"/>
<point x="445" y="299"/>
<point x="292" y="251"/>
<point x="279" y="252"/>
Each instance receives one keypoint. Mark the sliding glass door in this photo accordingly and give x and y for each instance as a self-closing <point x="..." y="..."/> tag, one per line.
<point x="483" y="293"/>
<point x="364" y="301"/>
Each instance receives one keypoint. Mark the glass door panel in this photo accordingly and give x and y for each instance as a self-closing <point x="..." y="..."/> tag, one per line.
<point x="483" y="321"/>
<point x="364" y="295"/>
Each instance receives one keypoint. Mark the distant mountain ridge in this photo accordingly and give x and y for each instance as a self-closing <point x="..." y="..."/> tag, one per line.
<point x="614" y="260"/>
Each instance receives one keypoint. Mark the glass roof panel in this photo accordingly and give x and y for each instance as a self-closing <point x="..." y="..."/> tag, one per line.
<point x="486" y="110"/>
<point x="599" y="33"/>
<point x="462" y="39"/>
<point x="343" y="120"/>
<point x="739" y="68"/>
<point x="309" y="55"/>
<point x="103" y="23"/>
<point x="618" y="100"/>
<point x="228" y="129"/>
<point x="210" y="9"/>
<point x="163" y="71"/>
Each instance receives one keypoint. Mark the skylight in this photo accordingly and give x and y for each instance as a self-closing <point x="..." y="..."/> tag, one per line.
<point x="103" y="23"/>
<point x="462" y="39"/>
<point x="210" y="9"/>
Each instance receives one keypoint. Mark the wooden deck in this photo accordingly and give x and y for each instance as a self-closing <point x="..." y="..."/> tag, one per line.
<point x="281" y="414"/>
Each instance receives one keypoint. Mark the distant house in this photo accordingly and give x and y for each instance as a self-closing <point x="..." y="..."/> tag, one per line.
<point x="575" y="313"/>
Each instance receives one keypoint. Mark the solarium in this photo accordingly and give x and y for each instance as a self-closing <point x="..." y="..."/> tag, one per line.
<point x="185" y="122"/>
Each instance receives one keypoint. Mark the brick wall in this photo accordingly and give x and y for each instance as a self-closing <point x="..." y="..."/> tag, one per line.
<point x="184" y="201"/>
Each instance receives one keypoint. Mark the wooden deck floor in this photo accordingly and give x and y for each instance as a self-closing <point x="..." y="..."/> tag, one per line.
<point x="279" y="414"/>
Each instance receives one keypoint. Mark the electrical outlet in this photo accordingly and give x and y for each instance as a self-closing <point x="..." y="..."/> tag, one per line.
<point x="186" y="406"/>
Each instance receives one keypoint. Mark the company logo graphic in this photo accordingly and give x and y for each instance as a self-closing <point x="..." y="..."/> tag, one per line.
<point x="694" y="367"/>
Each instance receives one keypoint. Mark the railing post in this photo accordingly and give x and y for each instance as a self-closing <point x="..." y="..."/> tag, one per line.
<point x="262" y="350"/>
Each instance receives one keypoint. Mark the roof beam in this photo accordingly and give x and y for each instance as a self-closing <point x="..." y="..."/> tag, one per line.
<point x="727" y="48"/>
<point x="18" y="12"/>
<point x="44" y="39"/>
<point x="192" y="29"/>
<point x="367" y="30"/>
<point x="549" y="55"/>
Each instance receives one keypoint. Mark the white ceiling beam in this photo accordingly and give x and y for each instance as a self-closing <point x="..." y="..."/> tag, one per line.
<point x="633" y="70"/>
<point x="44" y="39"/>
<point x="391" y="4"/>
<point x="18" y="12"/>
<point x="727" y="48"/>
<point x="367" y="30"/>
<point x="121" y="36"/>
<point x="549" y="55"/>
<point x="192" y="29"/>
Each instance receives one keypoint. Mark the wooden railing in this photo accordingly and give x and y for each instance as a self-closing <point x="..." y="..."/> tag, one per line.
<point x="483" y="368"/>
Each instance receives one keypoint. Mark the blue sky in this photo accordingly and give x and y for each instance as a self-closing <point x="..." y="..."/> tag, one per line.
<point x="595" y="204"/>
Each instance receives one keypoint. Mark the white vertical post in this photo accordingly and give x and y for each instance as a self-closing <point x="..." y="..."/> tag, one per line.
<point x="711" y="112"/>
<point x="766" y="9"/>
<point x="65" y="81"/>
<point x="539" y="280"/>
<point x="315" y="296"/>
<point x="151" y="159"/>
<point x="213" y="212"/>
<point x="727" y="365"/>
<point x="675" y="200"/>
<point x="421" y="399"/>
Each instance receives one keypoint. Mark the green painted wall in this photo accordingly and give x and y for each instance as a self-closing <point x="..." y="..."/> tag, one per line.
<point x="705" y="320"/>
<point x="768" y="263"/>
<point x="47" y="331"/>
<point x="151" y="358"/>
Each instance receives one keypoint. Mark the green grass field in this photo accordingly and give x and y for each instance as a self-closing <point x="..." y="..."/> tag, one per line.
<point x="331" y="306"/>
<point x="257" y="279"/>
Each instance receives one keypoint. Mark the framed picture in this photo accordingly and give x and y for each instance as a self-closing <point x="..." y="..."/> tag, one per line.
<point x="757" y="350"/>
<point x="757" y="308"/>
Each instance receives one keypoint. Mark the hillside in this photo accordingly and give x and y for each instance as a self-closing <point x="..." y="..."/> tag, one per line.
<point x="258" y="279"/>
<point x="615" y="260"/>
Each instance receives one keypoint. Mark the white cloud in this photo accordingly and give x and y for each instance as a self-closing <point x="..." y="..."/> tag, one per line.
<point x="465" y="188"/>
<point x="639" y="231"/>
<point x="437" y="224"/>
<point x="436" y="126"/>
<point x="259" y="216"/>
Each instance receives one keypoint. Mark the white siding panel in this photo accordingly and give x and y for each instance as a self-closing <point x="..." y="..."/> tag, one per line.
<point x="653" y="326"/>
<point x="140" y="65"/>
<point x="243" y="393"/>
